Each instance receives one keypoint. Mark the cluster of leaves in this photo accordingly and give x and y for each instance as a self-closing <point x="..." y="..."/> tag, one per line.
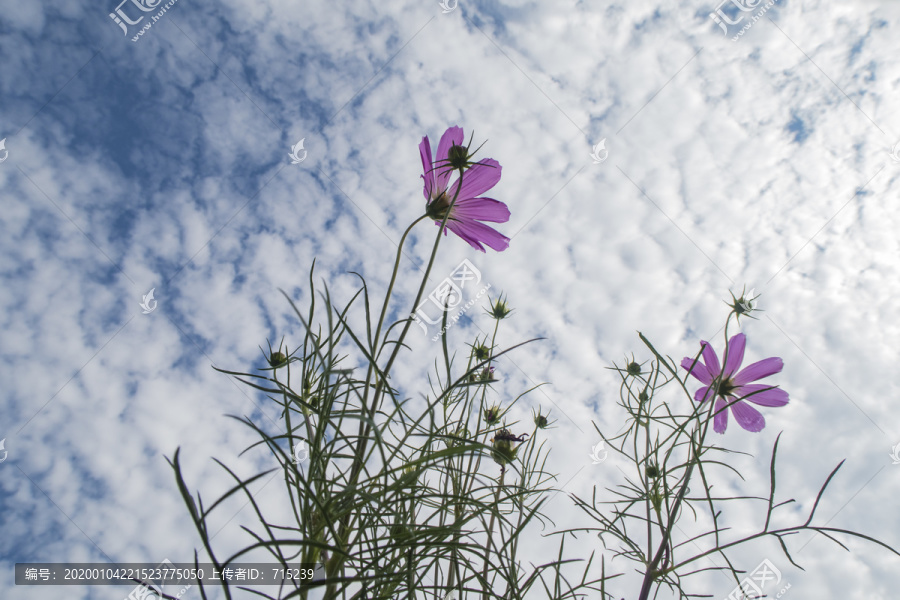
<point x="669" y="449"/>
<point x="395" y="499"/>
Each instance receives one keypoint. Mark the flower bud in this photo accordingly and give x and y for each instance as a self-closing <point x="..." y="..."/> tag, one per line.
<point x="541" y="421"/>
<point x="503" y="451"/>
<point x="486" y="376"/>
<point x="744" y="305"/>
<point x="481" y="352"/>
<point x="499" y="309"/>
<point x="458" y="157"/>
<point x="277" y="360"/>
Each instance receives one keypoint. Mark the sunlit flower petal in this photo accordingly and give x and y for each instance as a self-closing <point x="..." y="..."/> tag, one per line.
<point x="759" y="370"/>
<point x="763" y="395"/>
<point x="735" y="356"/>
<point x="720" y="421"/>
<point x="748" y="417"/>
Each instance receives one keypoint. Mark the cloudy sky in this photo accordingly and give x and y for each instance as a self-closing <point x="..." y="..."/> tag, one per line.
<point x="160" y="161"/>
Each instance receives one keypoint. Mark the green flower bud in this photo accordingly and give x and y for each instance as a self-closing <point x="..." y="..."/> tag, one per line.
<point x="278" y="360"/>
<point x="503" y="451"/>
<point x="541" y="421"/>
<point x="481" y="352"/>
<point x="744" y="305"/>
<point x="499" y="309"/>
<point x="458" y="157"/>
<point x="492" y="415"/>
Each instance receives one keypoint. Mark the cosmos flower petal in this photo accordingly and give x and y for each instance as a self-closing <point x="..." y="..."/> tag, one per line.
<point x="763" y="395"/>
<point x="711" y="359"/>
<point x="735" y="352"/>
<point x="481" y="209"/>
<point x="748" y="417"/>
<point x="703" y="394"/>
<point x="427" y="172"/>
<point x="758" y="370"/>
<point x="699" y="369"/>
<point x="462" y="232"/>
<point x="720" y="421"/>
<point x="452" y="137"/>
<point x="478" y="179"/>
<point x="475" y="233"/>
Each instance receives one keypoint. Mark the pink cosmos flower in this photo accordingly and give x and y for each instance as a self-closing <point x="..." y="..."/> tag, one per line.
<point x="469" y="210"/>
<point x="735" y="389"/>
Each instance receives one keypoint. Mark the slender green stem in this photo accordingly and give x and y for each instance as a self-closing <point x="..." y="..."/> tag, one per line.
<point x="490" y="533"/>
<point x="421" y="291"/>
<point x="651" y="573"/>
<point x="390" y="289"/>
<point x="375" y="350"/>
<point x="337" y="560"/>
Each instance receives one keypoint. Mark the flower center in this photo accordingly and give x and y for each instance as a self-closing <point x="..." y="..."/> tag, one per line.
<point x="726" y="387"/>
<point x="437" y="208"/>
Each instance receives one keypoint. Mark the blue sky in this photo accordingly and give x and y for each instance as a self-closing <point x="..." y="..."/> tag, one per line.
<point x="163" y="164"/>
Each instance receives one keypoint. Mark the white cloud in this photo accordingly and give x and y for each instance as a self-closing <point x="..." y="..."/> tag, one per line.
<point x="730" y="163"/>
